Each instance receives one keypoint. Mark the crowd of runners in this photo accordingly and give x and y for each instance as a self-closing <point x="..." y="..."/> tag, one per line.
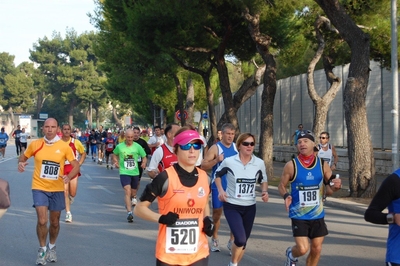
<point x="192" y="183"/>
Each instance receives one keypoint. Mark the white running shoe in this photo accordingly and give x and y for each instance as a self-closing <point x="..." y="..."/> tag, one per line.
<point x="130" y="217"/>
<point x="134" y="201"/>
<point x="51" y="254"/>
<point x="289" y="261"/>
<point x="41" y="257"/>
<point x="68" y="217"/>
<point x="215" y="245"/>
<point x="229" y="246"/>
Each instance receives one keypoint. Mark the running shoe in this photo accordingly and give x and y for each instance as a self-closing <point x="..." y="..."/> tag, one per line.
<point x="51" y="254"/>
<point x="41" y="257"/>
<point x="68" y="217"/>
<point x="130" y="217"/>
<point x="107" y="166"/>
<point x="289" y="261"/>
<point x="229" y="246"/>
<point x="134" y="201"/>
<point x="215" y="245"/>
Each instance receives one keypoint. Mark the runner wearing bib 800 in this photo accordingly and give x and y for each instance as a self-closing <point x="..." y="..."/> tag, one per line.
<point x="307" y="175"/>
<point x="48" y="185"/>
<point x="182" y="192"/>
<point x="72" y="186"/>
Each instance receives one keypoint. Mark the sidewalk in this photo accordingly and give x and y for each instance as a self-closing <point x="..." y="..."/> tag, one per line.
<point x="345" y="203"/>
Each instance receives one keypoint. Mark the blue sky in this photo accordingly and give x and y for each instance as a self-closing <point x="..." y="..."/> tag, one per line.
<point x="23" y="22"/>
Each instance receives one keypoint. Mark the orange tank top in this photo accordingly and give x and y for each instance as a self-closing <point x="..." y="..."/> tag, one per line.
<point x="183" y="243"/>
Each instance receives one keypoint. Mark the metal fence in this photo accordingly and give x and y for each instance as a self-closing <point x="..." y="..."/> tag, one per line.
<point x="294" y="106"/>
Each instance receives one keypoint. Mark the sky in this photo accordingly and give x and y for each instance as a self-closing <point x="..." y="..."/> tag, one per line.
<point x="23" y="22"/>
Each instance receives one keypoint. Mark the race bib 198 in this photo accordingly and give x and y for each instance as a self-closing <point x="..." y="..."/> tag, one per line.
<point x="50" y="170"/>
<point x="183" y="237"/>
<point x="308" y="196"/>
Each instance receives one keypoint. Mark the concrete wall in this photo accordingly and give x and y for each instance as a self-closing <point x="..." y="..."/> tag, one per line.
<point x="383" y="159"/>
<point x="294" y="106"/>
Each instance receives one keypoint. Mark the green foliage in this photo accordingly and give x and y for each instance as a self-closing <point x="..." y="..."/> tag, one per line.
<point x="71" y="71"/>
<point x="16" y="85"/>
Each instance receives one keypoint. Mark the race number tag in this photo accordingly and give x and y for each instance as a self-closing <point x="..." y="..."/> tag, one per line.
<point x="2" y="140"/>
<point x="50" y="170"/>
<point x="129" y="163"/>
<point x="182" y="237"/>
<point x="308" y="196"/>
<point x="245" y="188"/>
<point x="110" y="146"/>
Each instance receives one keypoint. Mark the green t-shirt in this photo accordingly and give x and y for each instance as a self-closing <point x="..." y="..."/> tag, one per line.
<point x="128" y="158"/>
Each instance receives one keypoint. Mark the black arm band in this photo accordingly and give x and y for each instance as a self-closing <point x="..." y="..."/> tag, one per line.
<point x="330" y="179"/>
<point x="285" y="196"/>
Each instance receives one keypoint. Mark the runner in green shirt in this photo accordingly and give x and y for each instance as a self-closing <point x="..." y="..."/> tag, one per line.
<point x="125" y="157"/>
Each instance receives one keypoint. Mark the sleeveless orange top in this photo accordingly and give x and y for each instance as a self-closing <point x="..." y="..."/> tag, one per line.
<point x="184" y="242"/>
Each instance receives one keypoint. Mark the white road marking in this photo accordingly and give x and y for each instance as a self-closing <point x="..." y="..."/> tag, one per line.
<point x="106" y="190"/>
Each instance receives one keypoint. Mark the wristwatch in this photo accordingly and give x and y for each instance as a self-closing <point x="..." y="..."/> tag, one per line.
<point x="390" y="218"/>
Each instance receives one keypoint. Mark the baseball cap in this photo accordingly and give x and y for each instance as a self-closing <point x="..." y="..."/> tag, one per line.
<point x="305" y="134"/>
<point x="187" y="136"/>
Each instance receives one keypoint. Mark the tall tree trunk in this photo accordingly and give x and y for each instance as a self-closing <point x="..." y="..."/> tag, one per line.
<point x="180" y="99"/>
<point x="263" y="42"/>
<point x="321" y="103"/>
<point x="230" y="110"/>
<point x="118" y="121"/>
<point x="361" y="159"/>
<point x="12" y="118"/>
<point x="71" y="113"/>
<point x="41" y="97"/>
<point x="211" y="108"/>
<point x="205" y="75"/>
<point x="97" y="117"/>
<point x="190" y="101"/>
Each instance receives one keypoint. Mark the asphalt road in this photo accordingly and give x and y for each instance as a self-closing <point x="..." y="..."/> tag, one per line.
<point x="101" y="235"/>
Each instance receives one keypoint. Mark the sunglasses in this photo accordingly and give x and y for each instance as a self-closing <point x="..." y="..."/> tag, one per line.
<point x="323" y="137"/>
<point x="245" y="143"/>
<point x="196" y="146"/>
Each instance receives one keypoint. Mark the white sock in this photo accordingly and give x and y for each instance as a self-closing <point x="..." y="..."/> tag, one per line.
<point x="232" y="264"/>
<point x="51" y="245"/>
<point x="44" y="248"/>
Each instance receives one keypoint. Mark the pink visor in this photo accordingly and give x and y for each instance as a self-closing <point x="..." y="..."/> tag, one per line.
<point x="186" y="137"/>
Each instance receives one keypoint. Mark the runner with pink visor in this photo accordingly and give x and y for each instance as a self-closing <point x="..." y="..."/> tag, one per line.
<point x="186" y="137"/>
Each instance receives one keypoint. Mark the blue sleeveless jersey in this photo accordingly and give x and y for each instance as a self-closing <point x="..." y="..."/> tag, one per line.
<point x="393" y="242"/>
<point x="307" y="189"/>
<point x="228" y="152"/>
